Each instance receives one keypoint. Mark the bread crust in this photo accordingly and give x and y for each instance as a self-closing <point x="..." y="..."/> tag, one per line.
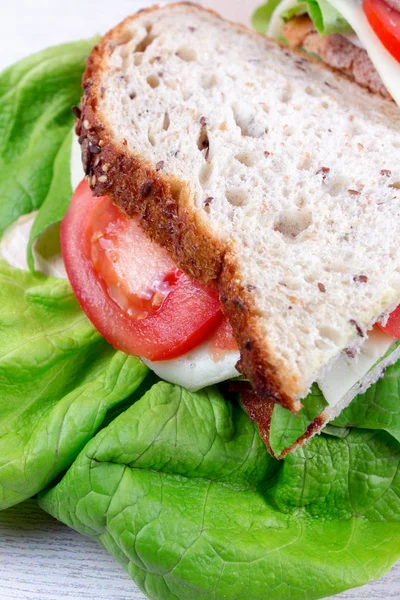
<point x="163" y="204"/>
<point x="261" y="411"/>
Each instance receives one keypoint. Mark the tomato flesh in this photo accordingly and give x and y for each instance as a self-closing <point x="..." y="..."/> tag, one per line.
<point x="392" y="326"/>
<point x="115" y="243"/>
<point x="385" y="21"/>
<point x="128" y="286"/>
<point x="222" y="340"/>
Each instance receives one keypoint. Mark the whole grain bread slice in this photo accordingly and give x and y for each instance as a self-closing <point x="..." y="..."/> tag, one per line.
<point x="257" y="168"/>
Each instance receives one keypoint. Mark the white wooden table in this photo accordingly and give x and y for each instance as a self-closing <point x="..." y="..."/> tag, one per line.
<point x="41" y="559"/>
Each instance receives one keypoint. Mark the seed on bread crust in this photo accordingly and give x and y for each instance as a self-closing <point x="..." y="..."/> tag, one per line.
<point x="85" y="155"/>
<point x="248" y="345"/>
<point x="76" y="111"/>
<point x="145" y="190"/>
<point x="94" y="148"/>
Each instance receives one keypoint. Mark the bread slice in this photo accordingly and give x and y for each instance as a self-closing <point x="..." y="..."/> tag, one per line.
<point x="257" y="168"/>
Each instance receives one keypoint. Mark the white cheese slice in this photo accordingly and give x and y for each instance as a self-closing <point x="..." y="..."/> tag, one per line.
<point x="386" y="65"/>
<point x="333" y="410"/>
<point x="197" y="368"/>
<point x="347" y="372"/>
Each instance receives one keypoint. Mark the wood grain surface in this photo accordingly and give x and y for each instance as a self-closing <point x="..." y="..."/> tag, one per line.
<point x="41" y="559"/>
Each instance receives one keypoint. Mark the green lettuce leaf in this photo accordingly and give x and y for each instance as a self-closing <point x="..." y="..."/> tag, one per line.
<point x="182" y="492"/>
<point x="262" y="15"/>
<point x="36" y="95"/>
<point x="378" y="408"/>
<point x="57" y="199"/>
<point x="298" y="8"/>
<point x="286" y="427"/>
<point x="58" y="380"/>
<point x="325" y="17"/>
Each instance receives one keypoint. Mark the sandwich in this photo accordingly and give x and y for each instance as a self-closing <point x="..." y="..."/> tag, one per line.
<point x="196" y="281"/>
<point x="361" y="39"/>
<point x="228" y="159"/>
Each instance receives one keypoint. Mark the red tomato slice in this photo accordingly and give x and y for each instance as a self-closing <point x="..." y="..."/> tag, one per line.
<point x="222" y="340"/>
<point x="128" y="286"/>
<point x="385" y="21"/>
<point x="392" y="327"/>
